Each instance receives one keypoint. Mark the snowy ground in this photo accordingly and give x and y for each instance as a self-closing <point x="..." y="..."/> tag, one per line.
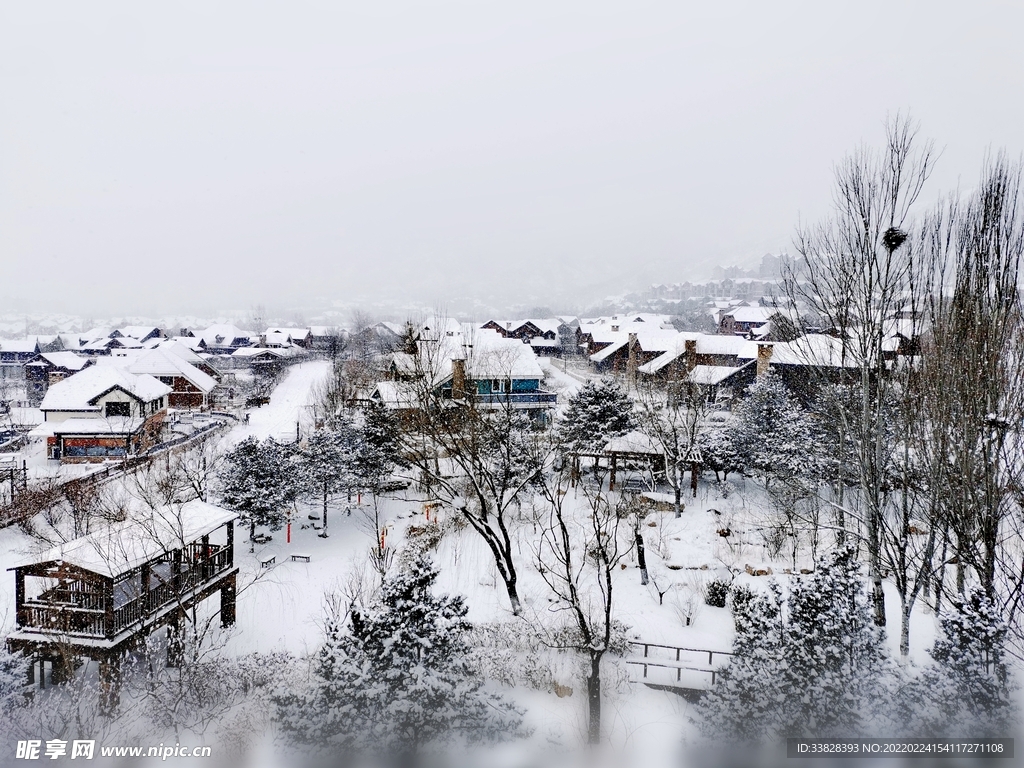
<point x="281" y="607"/>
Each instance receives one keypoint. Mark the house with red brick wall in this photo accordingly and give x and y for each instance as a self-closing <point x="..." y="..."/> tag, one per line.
<point x="102" y="412"/>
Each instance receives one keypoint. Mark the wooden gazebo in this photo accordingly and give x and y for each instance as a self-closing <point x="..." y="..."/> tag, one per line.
<point x="98" y="596"/>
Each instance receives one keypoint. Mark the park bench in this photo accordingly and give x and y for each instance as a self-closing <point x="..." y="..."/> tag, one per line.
<point x="266" y="562"/>
<point x="296" y="556"/>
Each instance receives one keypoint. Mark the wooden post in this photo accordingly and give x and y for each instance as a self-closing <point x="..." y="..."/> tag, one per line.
<point x="231" y="543"/>
<point x="145" y="578"/>
<point x="176" y="571"/>
<point x="205" y="562"/>
<point x="611" y="476"/>
<point x="108" y="607"/>
<point x="228" y="596"/>
<point x="175" y="644"/>
<point x="19" y="596"/>
<point x="110" y="684"/>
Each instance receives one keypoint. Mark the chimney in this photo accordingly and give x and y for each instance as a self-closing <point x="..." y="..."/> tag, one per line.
<point x="458" y="378"/>
<point x="631" y="361"/>
<point x="764" y="357"/>
<point x="691" y="354"/>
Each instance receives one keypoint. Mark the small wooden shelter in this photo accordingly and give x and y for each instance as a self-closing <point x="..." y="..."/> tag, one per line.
<point x="98" y="596"/>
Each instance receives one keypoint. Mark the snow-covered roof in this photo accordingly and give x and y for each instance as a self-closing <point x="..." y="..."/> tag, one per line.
<point x="157" y="362"/>
<point x="79" y="391"/>
<point x="19" y="345"/>
<point x="223" y="334"/>
<point x="757" y="315"/>
<point x="707" y="344"/>
<point x="68" y="360"/>
<point x="296" y="334"/>
<point x="815" y="349"/>
<point x="180" y="349"/>
<point x="256" y="351"/>
<point x="634" y="442"/>
<point x="603" y="354"/>
<point x="395" y="395"/>
<point x="494" y="357"/>
<point x="138" y="331"/>
<point x="710" y="375"/>
<point x="119" y="426"/>
<point x="125" y="546"/>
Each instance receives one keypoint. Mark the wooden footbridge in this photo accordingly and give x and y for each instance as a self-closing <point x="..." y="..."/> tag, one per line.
<point x="674" y="667"/>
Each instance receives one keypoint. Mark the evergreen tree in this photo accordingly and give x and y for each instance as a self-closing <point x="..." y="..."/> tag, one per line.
<point x="717" y="449"/>
<point x="815" y="667"/>
<point x="330" y="460"/>
<point x="772" y="435"/>
<point x="835" y="661"/>
<point x="381" y="448"/>
<point x="394" y="680"/>
<point x="257" y="481"/>
<point x="597" y="412"/>
<point x="745" y="705"/>
<point x="965" y="689"/>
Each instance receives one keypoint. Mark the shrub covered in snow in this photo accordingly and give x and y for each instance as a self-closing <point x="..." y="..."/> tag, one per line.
<point x="715" y="593"/>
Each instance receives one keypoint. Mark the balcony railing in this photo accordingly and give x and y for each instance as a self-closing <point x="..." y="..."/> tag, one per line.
<point x="538" y="398"/>
<point x="77" y="611"/>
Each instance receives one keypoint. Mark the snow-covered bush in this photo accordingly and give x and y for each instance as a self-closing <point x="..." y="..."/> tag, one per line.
<point x="715" y="593"/>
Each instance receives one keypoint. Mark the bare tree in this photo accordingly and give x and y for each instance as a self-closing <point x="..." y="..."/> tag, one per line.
<point x="673" y="413"/>
<point x="475" y="457"/>
<point x="972" y="357"/>
<point x="577" y="556"/>
<point x="854" y="273"/>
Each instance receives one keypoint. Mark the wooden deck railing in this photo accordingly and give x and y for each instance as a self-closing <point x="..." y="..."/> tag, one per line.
<point x="81" y="612"/>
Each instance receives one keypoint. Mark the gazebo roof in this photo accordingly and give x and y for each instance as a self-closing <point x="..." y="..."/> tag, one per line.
<point x="122" y="547"/>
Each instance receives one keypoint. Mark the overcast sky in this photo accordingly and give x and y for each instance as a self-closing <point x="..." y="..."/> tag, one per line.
<point x="181" y="155"/>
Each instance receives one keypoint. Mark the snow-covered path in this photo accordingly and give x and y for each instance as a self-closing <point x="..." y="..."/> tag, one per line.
<point x="288" y="405"/>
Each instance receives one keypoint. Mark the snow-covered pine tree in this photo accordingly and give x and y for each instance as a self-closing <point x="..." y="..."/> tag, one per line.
<point x="772" y="434"/>
<point x="394" y="680"/>
<point x="817" y="666"/>
<point x="745" y="704"/>
<point x="257" y="482"/>
<point x="596" y="412"/>
<point x="717" y="449"/>
<point x="836" y="666"/>
<point x="381" y="447"/>
<point x="330" y="460"/>
<point x="965" y="689"/>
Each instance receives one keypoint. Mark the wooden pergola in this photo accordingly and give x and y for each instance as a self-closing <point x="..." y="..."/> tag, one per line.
<point x="634" y="450"/>
<point x="99" y="596"/>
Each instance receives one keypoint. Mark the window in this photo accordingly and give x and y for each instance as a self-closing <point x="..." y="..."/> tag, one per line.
<point x="118" y="409"/>
<point x="168" y="380"/>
